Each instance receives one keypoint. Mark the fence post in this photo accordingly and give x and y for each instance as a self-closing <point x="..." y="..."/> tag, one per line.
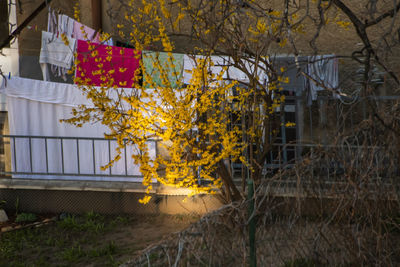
<point x="252" y="225"/>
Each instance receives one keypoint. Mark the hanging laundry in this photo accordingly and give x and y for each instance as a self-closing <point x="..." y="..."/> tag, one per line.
<point x="52" y="21"/>
<point x="232" y="73"/>
<point x="83" y="32"/>
<point x="55" y="52"/>
<point x="72" y="28"/>
<point x="323" y="71"/>
<point x="256" y="69"/>
<point x="189" y="64"/>
<point x="215" y="65"/>
<point x="103" y="65"/>
<point x="57" y="25"/>
<point x="65" y="25"/>
<point x="171" y="65"/>
<point x="35" y="109"/>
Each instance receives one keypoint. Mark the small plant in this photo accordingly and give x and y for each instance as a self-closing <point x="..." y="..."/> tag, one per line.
<point x="90" y="222"/>
<point x="68" y="222"/>
<point x="91" y="215"/>
<point x="93" y="226"/>
<point x="25" y="217"/>
<point x="73" y="253"/>
<point x="121" y="219"/>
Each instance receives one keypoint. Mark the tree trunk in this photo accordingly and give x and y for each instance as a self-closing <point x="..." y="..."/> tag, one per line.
<point x="231" y="190"/>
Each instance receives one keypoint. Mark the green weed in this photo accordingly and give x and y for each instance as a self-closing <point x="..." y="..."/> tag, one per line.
<point x="68" y="222"/>
<point x="73" y="254"/>
<point x="90" y="222"/>
<point x="25" y="217"/>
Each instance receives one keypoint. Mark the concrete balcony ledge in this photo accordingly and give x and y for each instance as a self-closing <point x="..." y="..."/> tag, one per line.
<point x="106" y="197"/>
<point x="72" y="185"/>
<point x="101" y="186"/>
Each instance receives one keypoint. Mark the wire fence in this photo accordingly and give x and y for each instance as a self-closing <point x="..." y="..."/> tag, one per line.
<point x="352" y="223"/>
<point x="333" y="204"/>
<point x="336" y="205"/>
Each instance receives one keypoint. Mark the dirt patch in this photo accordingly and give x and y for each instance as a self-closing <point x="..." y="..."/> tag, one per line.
<point x="87" y="240"/>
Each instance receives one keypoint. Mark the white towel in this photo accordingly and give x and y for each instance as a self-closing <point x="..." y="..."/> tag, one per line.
<point x="232" y="73"/>
<point x="65" y="25"/>
<point x="55" y="52"/>
<point x="238" y="75"/>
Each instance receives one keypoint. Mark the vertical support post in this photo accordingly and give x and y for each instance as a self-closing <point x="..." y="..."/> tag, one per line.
<point x="125" y="159"/>
<point x="283" y="134"/>
<point x="62" y="154"/>
<point x="311" y="123"/>
<point x="94" y="157"/>
<point x="77" y="155"/>
<point x="15" y="154"/>
<point x="299" y="123"/>
<point x="30" y="153"/>
<point x="47" y="156"/>
<point x="323" y="120"/>
<point x="109" y="156"/>
<point x="252" y="224"/>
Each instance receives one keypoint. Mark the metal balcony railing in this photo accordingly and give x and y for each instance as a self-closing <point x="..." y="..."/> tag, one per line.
<point x="67" y="156"/>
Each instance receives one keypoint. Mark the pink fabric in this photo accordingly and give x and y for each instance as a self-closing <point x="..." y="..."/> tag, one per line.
<point x="78" y="34"/>
<point x="102" y="65"/>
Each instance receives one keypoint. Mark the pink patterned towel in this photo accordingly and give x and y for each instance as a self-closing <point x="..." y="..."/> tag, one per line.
<point x="103" y="65"/>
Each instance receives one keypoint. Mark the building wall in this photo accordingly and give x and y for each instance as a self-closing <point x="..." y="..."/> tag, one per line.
<point x="58" y="201"/>
<point x="333" y="39"/>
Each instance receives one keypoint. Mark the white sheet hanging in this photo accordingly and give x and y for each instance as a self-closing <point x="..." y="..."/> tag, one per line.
<point x="251" y="67"/>
<point x="324" y="70"/>
<point x="232" y="72"/>
<point x="65" y="25"/>
<point x="35" y="109"/>
<point x="46" y="92"/>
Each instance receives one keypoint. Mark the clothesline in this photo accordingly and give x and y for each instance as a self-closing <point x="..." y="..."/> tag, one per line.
<point x="89" y="68"/>
<point x="50" y="54"/>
